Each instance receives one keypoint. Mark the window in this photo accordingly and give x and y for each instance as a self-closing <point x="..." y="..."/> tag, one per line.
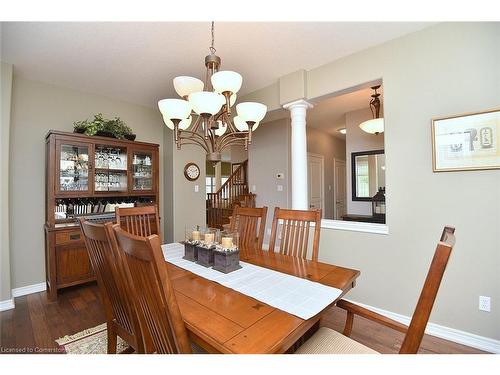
<point x="362" y="177"/>
<point x="210" y="183"/>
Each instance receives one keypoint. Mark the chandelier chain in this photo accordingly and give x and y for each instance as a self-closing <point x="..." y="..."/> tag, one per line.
<point x="212" y="48"/>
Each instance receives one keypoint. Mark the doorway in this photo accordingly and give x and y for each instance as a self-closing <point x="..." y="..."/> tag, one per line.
<point x="315" y="186"/>
<point x="340" y="191"/>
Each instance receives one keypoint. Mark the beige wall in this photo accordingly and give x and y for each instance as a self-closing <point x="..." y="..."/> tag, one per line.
<point x="446" y="69"/>
<point x="168" y="191"/>
<point x="238" y="153"/>
<point x="6" y="91"/>
<point x="36" y="108"/>
<point x="331" y="148"/>
<point x="189" y="207"/>
<point x="268" y="155"/>
<point x="357" y="140"/>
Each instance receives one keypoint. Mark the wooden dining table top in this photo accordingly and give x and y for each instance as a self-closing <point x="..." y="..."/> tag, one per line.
<point x="222" y="320"/>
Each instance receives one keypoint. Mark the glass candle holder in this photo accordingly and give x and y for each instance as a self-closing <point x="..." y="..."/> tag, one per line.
<point x="211" y="236"/>
<point x="193" y="234"/>
<point x="229" y="240"/>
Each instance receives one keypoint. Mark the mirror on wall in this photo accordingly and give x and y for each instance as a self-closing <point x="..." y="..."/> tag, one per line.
<point x="367" y="174"/>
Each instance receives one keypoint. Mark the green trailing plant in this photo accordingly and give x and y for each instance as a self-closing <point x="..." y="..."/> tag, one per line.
<point x="99" y="124"/>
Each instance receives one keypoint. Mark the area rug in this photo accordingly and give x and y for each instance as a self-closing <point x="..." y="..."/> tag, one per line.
<point x="90" y="341"/>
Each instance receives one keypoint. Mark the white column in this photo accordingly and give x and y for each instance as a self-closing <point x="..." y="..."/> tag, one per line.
<point x="298" y="110"/>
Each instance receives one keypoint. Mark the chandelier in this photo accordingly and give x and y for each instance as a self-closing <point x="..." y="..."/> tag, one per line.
<point x="204" y="115"/>
<point x="375" y="125"/>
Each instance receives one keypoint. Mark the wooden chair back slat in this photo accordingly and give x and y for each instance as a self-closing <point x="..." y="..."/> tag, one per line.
<point x="112" y="284"/>
<point x="294" y="232"/>
<point x="250" y="223"/>
<point x="137" y="220"/>
<point x="152" y="291"/>
<point x="428" y="295"/>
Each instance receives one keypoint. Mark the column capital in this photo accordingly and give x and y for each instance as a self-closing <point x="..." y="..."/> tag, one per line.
<point x="301" y="103"/>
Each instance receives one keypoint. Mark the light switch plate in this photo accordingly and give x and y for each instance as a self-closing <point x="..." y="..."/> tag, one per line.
<point x="280" y="187"/>
<point x="254" y="188"/>
<point x="196" y="188"/>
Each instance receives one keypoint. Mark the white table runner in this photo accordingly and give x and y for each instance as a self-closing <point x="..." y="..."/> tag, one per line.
<point x="300" y="297"/>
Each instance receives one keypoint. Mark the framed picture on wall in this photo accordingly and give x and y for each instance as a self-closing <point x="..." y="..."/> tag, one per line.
<point x="466" y="142"/>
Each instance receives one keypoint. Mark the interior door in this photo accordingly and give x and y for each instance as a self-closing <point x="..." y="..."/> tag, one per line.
<point x="315" y="185"/>
<point x="340" y="189"/>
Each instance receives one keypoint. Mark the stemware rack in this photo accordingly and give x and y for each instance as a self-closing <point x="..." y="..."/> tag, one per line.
<point x="89" y="176"/>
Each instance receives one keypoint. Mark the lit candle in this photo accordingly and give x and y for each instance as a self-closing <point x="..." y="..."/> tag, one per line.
<point x="209" y="237"/>
<point x="196" y="235"/>
<point x="227" y="242"/>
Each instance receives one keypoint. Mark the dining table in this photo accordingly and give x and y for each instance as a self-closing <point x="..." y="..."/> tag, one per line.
<point x="222" y="320"/>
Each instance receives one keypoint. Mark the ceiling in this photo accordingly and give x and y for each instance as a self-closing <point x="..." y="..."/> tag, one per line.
<point x="329" y="114"/>
<point x="136" y="61"/>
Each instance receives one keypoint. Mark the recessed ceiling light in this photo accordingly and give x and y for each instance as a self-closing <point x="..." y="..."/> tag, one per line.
<point x="342" y="131"/>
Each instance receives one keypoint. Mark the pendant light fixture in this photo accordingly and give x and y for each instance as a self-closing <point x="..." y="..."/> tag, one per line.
<point x="203" y="116"/>
<point x="375" y="125"/>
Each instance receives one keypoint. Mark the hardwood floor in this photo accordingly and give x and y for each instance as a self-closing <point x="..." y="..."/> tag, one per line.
<point x="35" y="323"/>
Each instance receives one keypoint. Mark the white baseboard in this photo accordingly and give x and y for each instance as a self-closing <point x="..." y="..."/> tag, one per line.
<point x="8" y="304"/>
<point x="450" y="334"/>
<point x="29" y="289"/>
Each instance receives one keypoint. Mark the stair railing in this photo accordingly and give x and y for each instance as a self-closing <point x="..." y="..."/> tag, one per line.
<point x="220" y="204"/>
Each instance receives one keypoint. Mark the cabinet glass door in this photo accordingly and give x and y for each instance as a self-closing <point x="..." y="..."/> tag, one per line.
<point x="142" y="170"/>
<point x="73" y="167"/>
<point x="110" y="168"/>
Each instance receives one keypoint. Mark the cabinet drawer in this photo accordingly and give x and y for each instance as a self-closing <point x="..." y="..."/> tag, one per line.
<point x="68" y="237"/>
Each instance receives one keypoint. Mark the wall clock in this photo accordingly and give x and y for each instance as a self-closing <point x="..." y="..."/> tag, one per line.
<point x="191" y="171"/>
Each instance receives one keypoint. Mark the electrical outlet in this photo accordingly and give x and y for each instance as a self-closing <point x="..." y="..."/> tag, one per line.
<point x="254" y="188"/>
<point x="196" y="188"/>
<point x="484" y="303"/>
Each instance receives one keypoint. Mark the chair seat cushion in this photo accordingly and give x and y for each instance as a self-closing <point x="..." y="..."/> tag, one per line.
<point x="328" y="341"/>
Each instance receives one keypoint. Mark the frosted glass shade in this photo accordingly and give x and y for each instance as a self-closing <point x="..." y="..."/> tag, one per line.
<point x="242" y="126"/>
<point x="232" y="99"/>
<point x="185" y="85"/>
<point x="174" y="108"/>
<point x="373" y="126"/>
<point x="226" y="80"/>
<point x="251" y="111"/>
<point x="183" y="125"/>
<point x="205" y="102"/>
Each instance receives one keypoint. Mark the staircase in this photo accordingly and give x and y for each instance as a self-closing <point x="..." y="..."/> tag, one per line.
<point x="233" y="192"/>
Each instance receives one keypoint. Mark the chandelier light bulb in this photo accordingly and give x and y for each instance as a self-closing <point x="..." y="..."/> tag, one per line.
<point x="205" y="102"/>
<point x="174" y="109"/>
<point x="251" y="111"/>
<point x="185" y="85"/>
<point x="226" y="81"/>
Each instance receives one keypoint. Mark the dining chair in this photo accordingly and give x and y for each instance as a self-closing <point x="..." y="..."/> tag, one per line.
<point x="326" y="340"/>
<point x="137" y="220"/>
<point x="250" y="223"/>
<point x="121" y="318"/>
<point x="292" y="228"/>
<point x="152" y="291"/>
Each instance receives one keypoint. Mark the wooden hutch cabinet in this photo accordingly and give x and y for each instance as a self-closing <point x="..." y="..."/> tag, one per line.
<point x="89" y="176"/>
